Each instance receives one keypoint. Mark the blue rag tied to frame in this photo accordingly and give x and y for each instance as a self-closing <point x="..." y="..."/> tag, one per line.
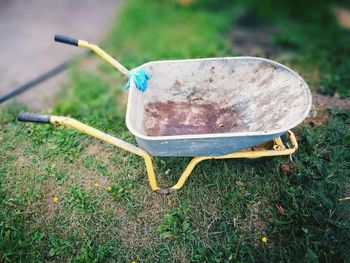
<point x="139" y="77"/>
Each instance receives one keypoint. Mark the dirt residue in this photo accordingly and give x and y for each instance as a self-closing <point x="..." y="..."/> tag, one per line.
<point x="183" y="118"/>
<point x="177" y="85"/>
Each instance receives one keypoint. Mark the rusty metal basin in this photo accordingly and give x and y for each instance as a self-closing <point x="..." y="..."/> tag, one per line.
<point x="210" y="107"/>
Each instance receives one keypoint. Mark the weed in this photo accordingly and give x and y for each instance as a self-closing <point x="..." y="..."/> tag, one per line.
<point x="176" y="225"/>
<point x="78" y="198"/>
<point x="121" y="192"/>
<point x="59" y="246"/>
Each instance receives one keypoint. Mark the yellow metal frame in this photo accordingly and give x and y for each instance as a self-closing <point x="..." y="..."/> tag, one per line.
<point x="104" y="55"/>
<point x="274" y="148"/>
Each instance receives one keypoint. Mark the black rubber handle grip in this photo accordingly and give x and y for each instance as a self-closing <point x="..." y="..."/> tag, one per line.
<point x="32" y="117"/>
<point x="66" y="40"/>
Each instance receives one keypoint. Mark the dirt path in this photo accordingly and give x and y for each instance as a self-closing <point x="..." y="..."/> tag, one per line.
<point x="27" y="47"/>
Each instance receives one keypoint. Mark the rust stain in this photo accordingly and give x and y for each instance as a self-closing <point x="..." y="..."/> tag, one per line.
<point x="177" y="84"/>
<point x="183" y="118"/>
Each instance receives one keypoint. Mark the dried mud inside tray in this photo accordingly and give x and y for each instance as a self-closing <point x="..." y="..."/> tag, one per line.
<point x="184" y="118"/>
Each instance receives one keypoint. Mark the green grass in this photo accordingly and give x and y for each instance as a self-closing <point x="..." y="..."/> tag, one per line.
<point x="223" y="211"/>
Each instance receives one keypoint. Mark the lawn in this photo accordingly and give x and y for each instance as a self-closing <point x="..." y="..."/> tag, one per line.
<point x="67" y="197"/>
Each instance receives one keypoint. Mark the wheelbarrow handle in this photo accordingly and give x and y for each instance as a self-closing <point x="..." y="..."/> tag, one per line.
<point x="94" y="48"/>
<point x="66" y="40"/>
<point x="32" y="117"/>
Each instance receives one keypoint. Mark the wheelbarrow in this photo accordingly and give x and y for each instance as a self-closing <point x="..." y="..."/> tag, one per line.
<point x="212" y="108"/>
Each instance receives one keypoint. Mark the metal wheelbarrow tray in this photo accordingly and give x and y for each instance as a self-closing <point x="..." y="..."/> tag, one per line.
<point x="212" y="107"/>
<point x="217" y="108"/>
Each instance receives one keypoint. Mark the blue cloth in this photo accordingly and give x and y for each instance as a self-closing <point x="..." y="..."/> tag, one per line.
<point x="139" y="77"/>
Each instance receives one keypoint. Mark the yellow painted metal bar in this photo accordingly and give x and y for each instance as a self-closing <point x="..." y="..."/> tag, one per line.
<point x="104" y="55"/>
<point x="150" y="172"/>
<point x="293" y="141"/>
<point x="72" y="123"/>
<point x="278" y="144"/>
<point x="96" y="133"/>
<point x="279" y="150"/>
<point x="241" y="154"/>
<point x="188" y="171"/>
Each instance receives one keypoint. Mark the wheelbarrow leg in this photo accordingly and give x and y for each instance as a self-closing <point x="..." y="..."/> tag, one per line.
<point x="184" y="175"/>
<point x="111" y="140"/>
